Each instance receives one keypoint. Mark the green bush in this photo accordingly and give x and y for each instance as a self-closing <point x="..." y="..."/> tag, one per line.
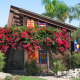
<point x="2" y="63"/>
<point x="9" y="78"/>
<point x="76" y="60"/>
<point x="58" y="66"/>
<point x="31" y="68"/>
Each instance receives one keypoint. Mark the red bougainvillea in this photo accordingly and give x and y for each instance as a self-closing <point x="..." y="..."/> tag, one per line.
<point x="31" y="39"/>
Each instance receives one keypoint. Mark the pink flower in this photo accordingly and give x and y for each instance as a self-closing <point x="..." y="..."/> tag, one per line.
<point x="64" y="30"/>
<point x="1" y="35"/>
<point x="59" y="41"/>
<point x="53" y="33"/>
<point x="62" y="49"/>
<point x="41" y="40"/>
<point x="50" y="31"/>
<point x="24" y="46"/>
<point x="30" y="37"/>
<point x="35" y="36"/>
<point x="50" y="44"/>
<point x="47" y="39"/>
<point x="56" y="34"/>
<point x="66" y="46"/>
<point x="28" y="45"/>
<point x="32" y="32"/>
<point x="66" y="34"/>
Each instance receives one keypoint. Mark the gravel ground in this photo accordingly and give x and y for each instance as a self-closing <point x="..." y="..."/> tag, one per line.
<point x="52" y="78"/>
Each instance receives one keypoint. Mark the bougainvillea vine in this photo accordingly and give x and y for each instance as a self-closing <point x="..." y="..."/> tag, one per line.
<point x="31" y="39"/>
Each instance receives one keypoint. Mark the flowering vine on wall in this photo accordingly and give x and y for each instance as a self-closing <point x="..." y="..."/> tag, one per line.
<point x="31" y="39"/>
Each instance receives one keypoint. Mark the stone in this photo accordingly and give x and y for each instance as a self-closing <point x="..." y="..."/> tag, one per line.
<point x="3" y="75"/>
<point x="60" y="73"/>
<point x="70" y="73"/>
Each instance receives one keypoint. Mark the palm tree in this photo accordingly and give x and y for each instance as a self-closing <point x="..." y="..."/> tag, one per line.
<point x="49" y="7"/>
<point x="62" y="12"/>
<point x="56" y="9"/>
<point x="75" y="12"/>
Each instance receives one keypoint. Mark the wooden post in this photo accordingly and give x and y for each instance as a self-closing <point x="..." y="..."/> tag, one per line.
<point x="70" y="49"/>
<point x="10" y="19"/>
<point x="25" y="56"/>
<point x="47" y="62"/>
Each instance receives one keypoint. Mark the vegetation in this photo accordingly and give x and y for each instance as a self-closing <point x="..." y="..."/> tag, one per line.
<point x="17" y="77"/>
<point x="56" y="9"/>
<point x="22" y="78"/>
<point x="31" y="68"/>
<point x="78" y="79"/>
<point x="2" y="63"/>
<point x="75" y="12"/>
<point x="60" y="11"/>
<point x="9" y="78"/>
<point x="75" y="79"/>
<point x="76" y="34"/>
<point x="30" y="78"/>
<point x="76" y="60"/>
<point x="58" y="66"/>
<point x="33" y="38"/>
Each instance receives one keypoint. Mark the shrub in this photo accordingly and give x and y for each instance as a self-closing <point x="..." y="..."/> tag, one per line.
<point x="2" y="63"/>
<point x="17" y="77"/>
<point x="8" y="78"/>
<point x="31" y="68"/>
<point x="76" y="60"/>
<point x="58" y="66"/>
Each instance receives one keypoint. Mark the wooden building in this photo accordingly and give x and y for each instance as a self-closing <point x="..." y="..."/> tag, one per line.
<point x="19" y="17"/>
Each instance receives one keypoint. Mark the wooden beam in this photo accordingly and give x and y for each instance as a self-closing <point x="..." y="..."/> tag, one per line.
<point x="10" y="19"/>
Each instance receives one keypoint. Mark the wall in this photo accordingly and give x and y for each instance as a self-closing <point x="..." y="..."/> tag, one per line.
<point x="15" y="59"/>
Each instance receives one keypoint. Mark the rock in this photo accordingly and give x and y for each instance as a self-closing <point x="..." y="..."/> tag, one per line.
<point x="3" y="75"/>
<point x="60" y="73"/>
<point x="73" y="74"/>
<point x="42" y="74"/>
<point x="70" y="73"/>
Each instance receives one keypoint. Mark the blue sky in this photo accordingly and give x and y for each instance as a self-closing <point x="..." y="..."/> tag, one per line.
<point x="31" y="5"/>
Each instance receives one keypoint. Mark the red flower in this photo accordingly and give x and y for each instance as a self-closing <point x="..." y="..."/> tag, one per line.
<point x="30" y="37"/>
<point x="56" y="34"/>
<point x="50" y="31"/>
<point x="32" y="32"/>
<point x="64" y="30"/>
<point x="66" y="34"/>
<point x="1" y="35"/>
<point x="24" y="46"/>
<point x="62" y="49"/>
<point x="50" y="44"/>
<point x="47" y="39"/>
<point x="53" y="33"/>
<point x="28" y="45"/>
<point x="41" y="40"/>
<point x="59" y="41"/>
